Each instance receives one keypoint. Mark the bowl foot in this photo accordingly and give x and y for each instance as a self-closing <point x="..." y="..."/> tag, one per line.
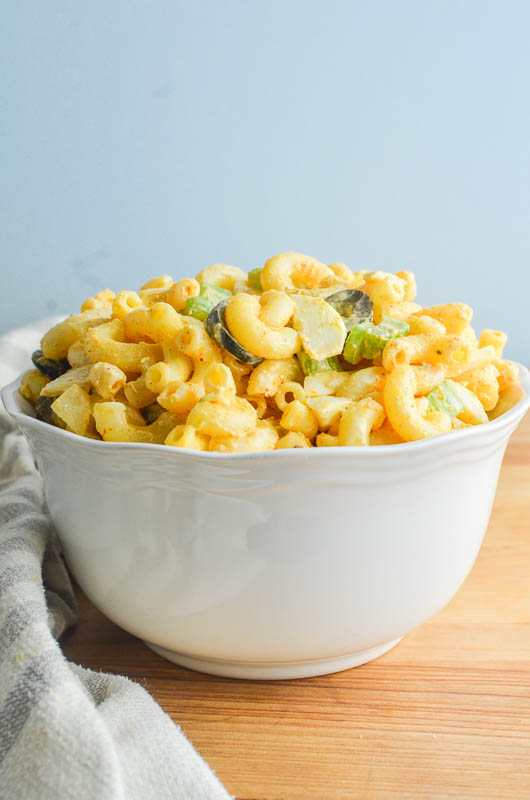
<point x="274" y="670"/>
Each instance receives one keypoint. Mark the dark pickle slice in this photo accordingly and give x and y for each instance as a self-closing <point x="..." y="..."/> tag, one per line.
<point x="353" y="305"/>
<point x="44" y="412"/>
<point x="48" y="367"/>
<point x="216" y="328"/>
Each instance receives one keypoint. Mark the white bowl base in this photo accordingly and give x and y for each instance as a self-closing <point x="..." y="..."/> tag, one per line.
<point x="276" y="670"/>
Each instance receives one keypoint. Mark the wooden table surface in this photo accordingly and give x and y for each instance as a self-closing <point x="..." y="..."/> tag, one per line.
<point x="446" y="714"/>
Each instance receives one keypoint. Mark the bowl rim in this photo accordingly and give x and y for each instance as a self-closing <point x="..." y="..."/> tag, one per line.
<point x="513" y="415"/>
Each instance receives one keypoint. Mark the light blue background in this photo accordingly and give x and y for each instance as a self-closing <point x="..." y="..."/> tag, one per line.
<point x="148" y="136"/>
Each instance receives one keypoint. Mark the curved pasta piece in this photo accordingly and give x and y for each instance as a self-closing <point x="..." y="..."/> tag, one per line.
<point x="290" y="271"/>
<point x="455" y="317"/>
<point x="56" y="342"/>
<point x="244" y="323"/>
<point x="299" y="418"/>
<point x="268" y="376"/>
<point x="293" y="439"/>
<point x="159" y="323"/>
<point x="402" y="411"/>
<point x="105" y="343"/>
<point x="223" y="275"/>
<point x="113" y="426"/>
<point x="263" y="437"/>
<point x="107" y="379"/>
<point x="222" y="413"/>
<point x="357" y="422"/>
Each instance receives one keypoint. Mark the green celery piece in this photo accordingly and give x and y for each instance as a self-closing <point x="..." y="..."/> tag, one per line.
<point x="198" y="307"/>
<point x="214" y="293"/>
<point x="311" y="367"/>
<point x="208" y="297"/>
<point x="254" y="279"/>
<point x="368" y="340"/>
<point x="395" y="327"/>
<point x="378" y="335"/>
<point x="446" y="397"/>
<point x="353" y="346"/>
<point x="375" y="338"/>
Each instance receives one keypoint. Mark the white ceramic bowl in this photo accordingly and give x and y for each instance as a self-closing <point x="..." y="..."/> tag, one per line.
<point x="279" y="564"/>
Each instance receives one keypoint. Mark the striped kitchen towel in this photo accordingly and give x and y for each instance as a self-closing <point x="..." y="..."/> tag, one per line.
<point x="65" y="731"/>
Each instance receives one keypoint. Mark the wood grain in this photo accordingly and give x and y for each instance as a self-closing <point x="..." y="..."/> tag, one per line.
<point x="446" y="714"/>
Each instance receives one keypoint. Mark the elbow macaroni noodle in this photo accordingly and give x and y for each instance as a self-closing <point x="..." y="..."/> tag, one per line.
<point x="287" y="369"/>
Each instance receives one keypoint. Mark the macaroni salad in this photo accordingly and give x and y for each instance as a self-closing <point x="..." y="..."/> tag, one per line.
<point x="294" y="354"/>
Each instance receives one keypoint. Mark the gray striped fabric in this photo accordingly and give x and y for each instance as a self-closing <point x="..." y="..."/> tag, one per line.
<point x="68" y="732"/>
